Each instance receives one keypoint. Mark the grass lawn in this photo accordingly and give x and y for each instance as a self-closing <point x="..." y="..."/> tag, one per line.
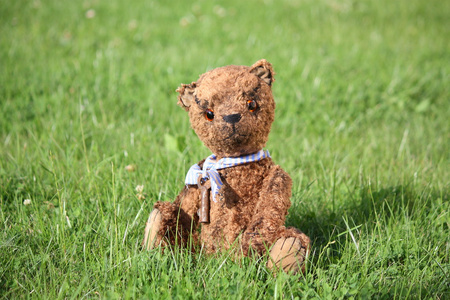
<point x="362" y="126"/>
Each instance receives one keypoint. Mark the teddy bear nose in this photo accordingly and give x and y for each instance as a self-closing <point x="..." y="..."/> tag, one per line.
<point x="234" y="118"/>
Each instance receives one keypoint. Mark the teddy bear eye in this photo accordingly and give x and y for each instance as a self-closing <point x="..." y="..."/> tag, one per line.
<point x="252" y="105"/>
<point x="209" y="115"/>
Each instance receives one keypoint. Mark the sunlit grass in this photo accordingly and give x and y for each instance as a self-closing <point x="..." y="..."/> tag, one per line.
<point x="89" y="115"/>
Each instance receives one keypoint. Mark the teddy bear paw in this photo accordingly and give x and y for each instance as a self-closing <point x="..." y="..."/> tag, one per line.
<point x="288" y="254"/>
<point x="151" y="229"/>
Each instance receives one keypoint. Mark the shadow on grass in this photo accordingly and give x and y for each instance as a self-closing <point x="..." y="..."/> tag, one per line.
<point x="364" y="209"/>
<point x="401" y="229"/>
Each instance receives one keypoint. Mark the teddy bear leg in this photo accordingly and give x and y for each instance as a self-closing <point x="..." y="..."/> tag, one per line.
<point x="289" y="253"/>
<point x="286" y="254"/>
<point x="152" y="228"/>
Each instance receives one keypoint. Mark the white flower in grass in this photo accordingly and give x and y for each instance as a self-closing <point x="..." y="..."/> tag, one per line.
<point x="139" y="188"/>
<point x="26" y="202"/>
<point x="140" y="192"/>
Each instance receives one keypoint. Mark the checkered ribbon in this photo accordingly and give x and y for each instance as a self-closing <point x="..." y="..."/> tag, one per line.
<point x="211" y="165"/>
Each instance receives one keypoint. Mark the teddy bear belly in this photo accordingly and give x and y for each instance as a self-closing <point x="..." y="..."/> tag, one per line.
<point x="235" y="204"/>
<point x="226" y="225"/>
<point x="229" y="217"/>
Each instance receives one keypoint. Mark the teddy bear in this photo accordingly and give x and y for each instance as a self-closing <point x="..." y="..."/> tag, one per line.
<point x="237" y="197"/>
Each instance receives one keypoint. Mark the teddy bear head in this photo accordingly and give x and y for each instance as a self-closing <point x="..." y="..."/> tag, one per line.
<point x="231" y="108"/>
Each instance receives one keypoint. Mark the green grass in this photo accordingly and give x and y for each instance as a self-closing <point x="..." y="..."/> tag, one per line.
<point x="361" y="126"/>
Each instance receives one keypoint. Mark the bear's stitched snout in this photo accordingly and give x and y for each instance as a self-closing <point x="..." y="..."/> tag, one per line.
<point x="232" y="119"/>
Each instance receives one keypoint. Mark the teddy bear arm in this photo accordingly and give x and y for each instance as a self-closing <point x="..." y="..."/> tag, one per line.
<point x="270" y="212"/>
<point x="179" y="218"/>
<point x="189" y="202"/>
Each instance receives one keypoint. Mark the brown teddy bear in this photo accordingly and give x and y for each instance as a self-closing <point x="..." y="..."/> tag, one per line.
<point x="238" y="196"/>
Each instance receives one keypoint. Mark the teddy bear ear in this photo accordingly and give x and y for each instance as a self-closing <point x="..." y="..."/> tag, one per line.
<point x="186" y="95"/>
<point x="263" y="69"/>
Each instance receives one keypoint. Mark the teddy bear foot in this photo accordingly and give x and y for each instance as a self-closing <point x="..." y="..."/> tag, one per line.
<point x="151" y="229"/>
<point x="287" y="254"/>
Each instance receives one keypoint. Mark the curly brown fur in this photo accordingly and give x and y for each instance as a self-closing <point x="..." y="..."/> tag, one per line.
<point x="231" y="109"/>
<point x="179" y="219"/>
